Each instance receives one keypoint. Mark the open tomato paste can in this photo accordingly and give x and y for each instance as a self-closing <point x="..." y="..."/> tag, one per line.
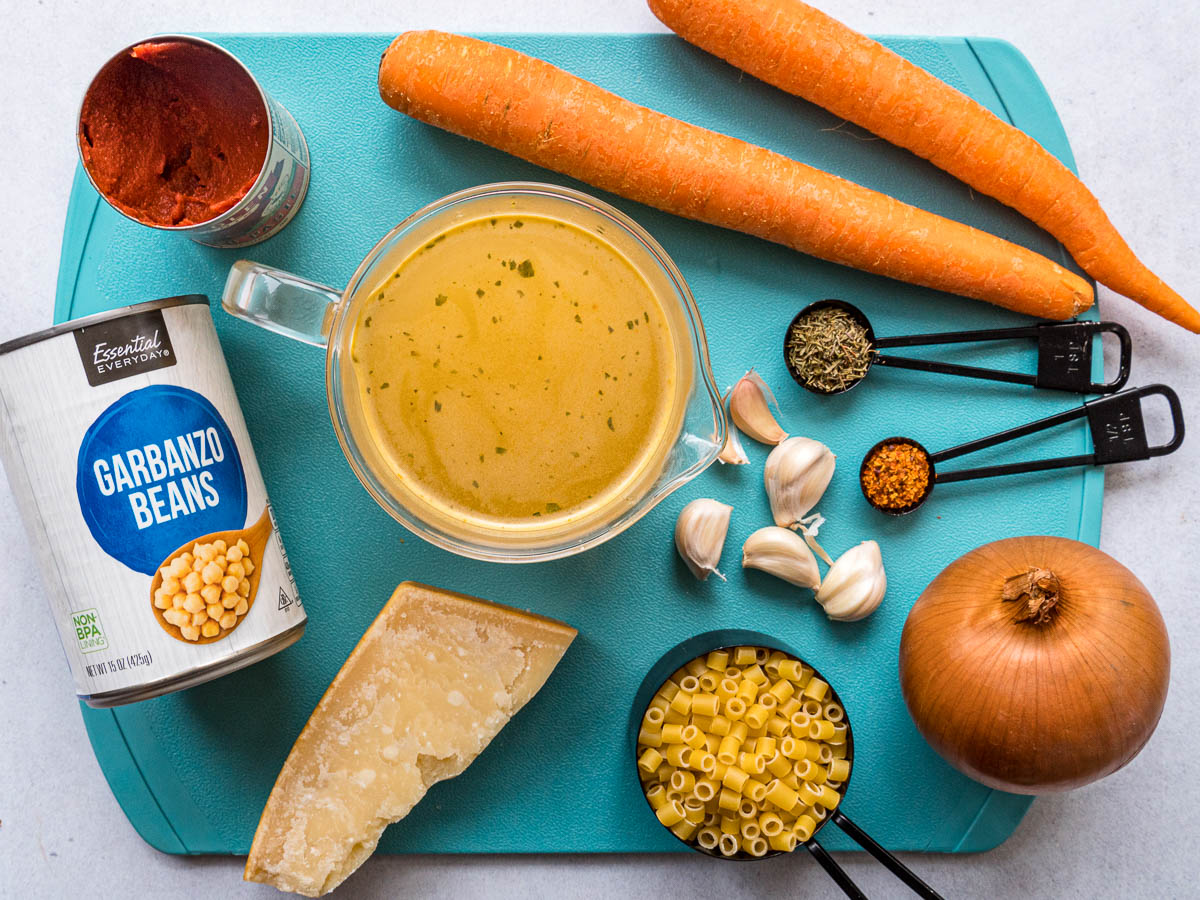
<point x="132" y="468"/>
<point x="175" y="133"/>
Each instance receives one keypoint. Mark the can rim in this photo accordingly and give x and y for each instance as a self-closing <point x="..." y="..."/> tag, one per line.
<point x="247" y="656"/>
<point x="95" y="318"/>
<point x="263" y="97"/>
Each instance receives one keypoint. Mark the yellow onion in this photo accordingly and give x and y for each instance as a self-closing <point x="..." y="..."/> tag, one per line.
<point x="1035" y="664"/>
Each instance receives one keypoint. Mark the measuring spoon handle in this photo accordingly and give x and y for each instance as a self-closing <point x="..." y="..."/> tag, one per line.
<point x="836" y="872"/>
<point x="958" y="337"/>
<point x="1117" y="428"/>
<point x="942" y="368"/>
<point x="1064" y="355"/>
<point x="1126" y="359"/>
<point x="897" y="868"/>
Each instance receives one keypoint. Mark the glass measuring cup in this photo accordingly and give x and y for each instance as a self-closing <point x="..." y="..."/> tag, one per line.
<point x="325" y="317"/>
<point x="726" y="639"/>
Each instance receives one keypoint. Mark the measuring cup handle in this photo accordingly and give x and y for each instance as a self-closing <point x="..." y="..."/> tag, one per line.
<point x="897" y="868"/>
<point x="836" y="872"/>
<point x="1126" y="358"/>
<point x="280" y="301"/>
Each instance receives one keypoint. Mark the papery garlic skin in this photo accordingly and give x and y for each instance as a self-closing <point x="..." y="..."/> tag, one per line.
<point x="854" y="587"/>
<point x="748" y="405"/>
<point x="796" y="475"/>
<point x="732" y="453"/>
<point x="700" y="535"/>
<point x="782" y="553"/>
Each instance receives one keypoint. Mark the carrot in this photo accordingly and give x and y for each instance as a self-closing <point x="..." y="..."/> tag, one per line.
<point x="533" y="110"/>
<point x="807" y="53"/>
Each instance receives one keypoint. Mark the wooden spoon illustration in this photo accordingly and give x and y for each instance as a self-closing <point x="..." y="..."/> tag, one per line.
<point x="255" y="536"/>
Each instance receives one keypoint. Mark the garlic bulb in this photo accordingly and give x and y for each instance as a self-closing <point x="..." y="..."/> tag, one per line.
<point x="748" y="405"/>
<point x="781" y="553"/>
<point x="854" y="587"/>
<point x="732" y="453"/>
<point x="700" y="535"/>
<point x="796" y="475"/>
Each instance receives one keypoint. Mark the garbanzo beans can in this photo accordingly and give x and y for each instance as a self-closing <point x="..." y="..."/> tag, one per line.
<point x="128" y="454"/>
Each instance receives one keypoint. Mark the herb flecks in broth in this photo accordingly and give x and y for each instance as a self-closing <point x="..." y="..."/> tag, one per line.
<point x="513" y="411"/>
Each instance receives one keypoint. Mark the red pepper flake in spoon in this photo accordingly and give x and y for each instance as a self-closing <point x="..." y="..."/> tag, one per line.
<point x="896" y="475"/>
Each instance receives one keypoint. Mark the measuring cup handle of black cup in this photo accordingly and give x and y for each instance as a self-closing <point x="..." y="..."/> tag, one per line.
<point x="864" y="840"/>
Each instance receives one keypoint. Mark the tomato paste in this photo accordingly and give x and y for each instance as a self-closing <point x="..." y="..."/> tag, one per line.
<point x="173" y="133"/>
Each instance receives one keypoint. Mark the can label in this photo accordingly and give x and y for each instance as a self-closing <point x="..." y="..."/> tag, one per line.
<point x="122" y="347"/>
<point x="275" y="197"/>
<point x="134" y="473"/>
<point x="156" y="469"/>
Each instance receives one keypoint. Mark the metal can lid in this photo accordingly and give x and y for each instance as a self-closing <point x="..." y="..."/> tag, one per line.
<point x="96" y="318"/>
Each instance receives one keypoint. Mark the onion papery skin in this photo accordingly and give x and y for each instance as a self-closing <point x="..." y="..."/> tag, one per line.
<point x="1030" y="708"/>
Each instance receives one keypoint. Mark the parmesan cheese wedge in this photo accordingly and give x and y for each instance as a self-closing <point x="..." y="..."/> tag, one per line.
<point x="431" y="682"/>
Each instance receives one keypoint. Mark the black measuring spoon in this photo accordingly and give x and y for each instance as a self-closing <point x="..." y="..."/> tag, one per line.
<point x="726" y="639"/>
<point x="1116" y="423"/>
<point x="1064" y="352"/>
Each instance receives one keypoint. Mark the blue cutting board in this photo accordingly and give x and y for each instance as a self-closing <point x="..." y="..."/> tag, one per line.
<point x="193" y="769"/>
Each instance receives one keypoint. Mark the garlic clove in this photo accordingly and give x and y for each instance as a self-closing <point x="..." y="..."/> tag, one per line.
<point x="732" y="453"/>
<point x="700" y="535"/>
<point x="796" y="475"/>
<point x="749" y="406"/>
<point x="781" y="553"/>
<point x="854" y="587"/>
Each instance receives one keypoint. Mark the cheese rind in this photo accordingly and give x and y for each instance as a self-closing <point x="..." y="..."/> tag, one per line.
<point x="431" y="682"/>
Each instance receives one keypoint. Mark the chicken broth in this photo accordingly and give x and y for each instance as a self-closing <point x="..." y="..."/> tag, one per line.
<point x="517" y="370"/>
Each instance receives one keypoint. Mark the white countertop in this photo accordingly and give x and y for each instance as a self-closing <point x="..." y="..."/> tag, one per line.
<point x="1120" y="77"/>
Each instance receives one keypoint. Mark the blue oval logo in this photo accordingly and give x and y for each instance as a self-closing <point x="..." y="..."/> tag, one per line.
<point x="157" y="469"/>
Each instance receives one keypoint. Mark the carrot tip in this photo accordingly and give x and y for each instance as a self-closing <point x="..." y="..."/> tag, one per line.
<point x="1190" y="319"/>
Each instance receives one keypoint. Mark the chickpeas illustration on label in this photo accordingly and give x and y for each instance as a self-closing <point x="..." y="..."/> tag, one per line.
<point x="203" y="593"/>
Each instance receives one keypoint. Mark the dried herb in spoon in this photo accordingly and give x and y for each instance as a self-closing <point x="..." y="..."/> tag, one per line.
<point x="828" y="350"/>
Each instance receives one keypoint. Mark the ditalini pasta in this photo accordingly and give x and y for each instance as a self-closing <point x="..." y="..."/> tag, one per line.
<point x="741" y="752"/>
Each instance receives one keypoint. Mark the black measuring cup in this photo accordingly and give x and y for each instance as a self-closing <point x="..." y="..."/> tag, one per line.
<point x="1117" y="428"/>
<point x="1064" y="352"/>
<point x="727" y="639"/>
